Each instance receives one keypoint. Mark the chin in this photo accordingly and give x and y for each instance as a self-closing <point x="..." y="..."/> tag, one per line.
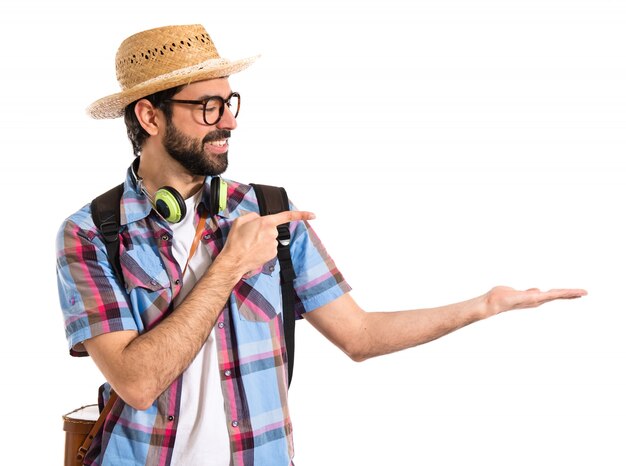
<point x="218" y="165"/>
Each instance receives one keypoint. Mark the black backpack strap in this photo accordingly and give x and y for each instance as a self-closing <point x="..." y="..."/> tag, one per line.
<point x="272" y="200"/>
<point x="105" y="211"/>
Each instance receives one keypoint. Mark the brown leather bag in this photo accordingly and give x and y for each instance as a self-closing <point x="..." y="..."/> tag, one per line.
<point x="80" y="431"/>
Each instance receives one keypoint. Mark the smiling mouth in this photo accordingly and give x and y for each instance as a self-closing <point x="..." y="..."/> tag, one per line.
<point x="218" y="143"/>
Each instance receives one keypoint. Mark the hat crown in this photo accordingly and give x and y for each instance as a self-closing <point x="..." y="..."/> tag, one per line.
<point x="156" y="52"/>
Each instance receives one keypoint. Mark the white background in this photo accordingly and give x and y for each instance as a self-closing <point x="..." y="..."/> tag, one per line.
<point x="447" y="146"/>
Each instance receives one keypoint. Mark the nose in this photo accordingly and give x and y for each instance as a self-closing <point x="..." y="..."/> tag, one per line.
<point x="228" y="120"/>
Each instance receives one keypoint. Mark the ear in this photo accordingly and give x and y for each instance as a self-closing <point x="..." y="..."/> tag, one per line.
<point x="149" y="117"/>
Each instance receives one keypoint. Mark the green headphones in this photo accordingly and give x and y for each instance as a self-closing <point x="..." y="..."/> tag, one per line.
<point x="170" y="204"/>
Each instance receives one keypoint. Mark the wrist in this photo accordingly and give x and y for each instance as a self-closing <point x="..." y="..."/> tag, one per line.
<point x="229" y="265"/>
<point x="475" y="309"/>
<point x="488" y="305"/>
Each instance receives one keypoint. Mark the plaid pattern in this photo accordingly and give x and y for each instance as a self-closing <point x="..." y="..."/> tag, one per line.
<point x="249" y="333"/>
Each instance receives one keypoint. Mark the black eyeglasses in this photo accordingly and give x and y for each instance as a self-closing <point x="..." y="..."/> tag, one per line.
<point x="213" y="107"/>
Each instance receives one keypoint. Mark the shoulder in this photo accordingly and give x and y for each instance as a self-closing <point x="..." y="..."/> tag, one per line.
<point x="79" y="224"/>
<point x="239" y="194"/>
<point x="242" y="197"/>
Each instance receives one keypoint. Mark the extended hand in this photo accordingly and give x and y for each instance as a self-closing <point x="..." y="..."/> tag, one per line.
<point x="504" y="298"/>
<point x="252" y="238"/>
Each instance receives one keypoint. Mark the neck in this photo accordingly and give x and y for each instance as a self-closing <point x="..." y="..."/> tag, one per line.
<point x="157" y="172"/>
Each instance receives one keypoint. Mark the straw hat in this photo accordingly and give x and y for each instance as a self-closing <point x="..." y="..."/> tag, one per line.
<point x="162" y="58"/>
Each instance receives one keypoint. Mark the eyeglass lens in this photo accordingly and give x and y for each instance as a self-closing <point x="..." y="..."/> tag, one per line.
<point x="214" y="108"/>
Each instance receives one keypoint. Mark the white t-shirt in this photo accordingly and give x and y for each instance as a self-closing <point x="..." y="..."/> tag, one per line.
<point x="202" y="436"/>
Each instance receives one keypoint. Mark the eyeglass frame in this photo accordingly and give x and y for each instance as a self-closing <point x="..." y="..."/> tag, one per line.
<point x="206" y="100"/>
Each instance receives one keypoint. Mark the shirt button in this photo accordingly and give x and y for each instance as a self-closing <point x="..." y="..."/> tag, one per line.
<point x="170" y="418"/>
<point x="165" y="237"/>
<point x="207" y="237"/>
<point x="153" y="282"/>
<point x="227" y="373"/>
<point x="271" y="268"/>
<point x="220" y="324"/>
<point x="177" y="282"/>
<point x="234" y="424"/>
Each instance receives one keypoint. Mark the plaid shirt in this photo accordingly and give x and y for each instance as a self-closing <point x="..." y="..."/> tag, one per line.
<point x="249" y="332"/>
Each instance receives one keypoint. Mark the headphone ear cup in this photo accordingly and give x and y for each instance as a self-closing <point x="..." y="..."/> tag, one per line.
<point x="219" y="195"/>
<point x="215" y="196"/>
<point x="170" y="204"/>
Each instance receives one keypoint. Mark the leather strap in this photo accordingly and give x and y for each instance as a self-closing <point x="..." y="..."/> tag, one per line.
<point x="82" y="450"/>
<point x="196" y="239"/>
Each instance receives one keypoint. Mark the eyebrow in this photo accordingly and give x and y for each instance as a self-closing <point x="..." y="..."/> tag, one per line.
<point x="208" y="96"/>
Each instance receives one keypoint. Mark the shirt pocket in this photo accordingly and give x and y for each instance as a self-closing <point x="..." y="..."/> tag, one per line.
<point x="258" y="298"/>
<point x="147" y="285"/>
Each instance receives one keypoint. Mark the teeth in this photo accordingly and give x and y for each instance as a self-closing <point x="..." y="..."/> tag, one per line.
<point x="218" y="143"/>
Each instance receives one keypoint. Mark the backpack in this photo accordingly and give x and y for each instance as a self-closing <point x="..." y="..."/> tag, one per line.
<point x="105" y="210"/>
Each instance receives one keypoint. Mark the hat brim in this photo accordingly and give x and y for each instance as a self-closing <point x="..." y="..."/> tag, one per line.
<point x="113" y="106"/>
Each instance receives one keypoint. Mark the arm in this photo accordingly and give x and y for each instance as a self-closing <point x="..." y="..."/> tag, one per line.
<point x="141" y="367"/>
<point x="362" y="335"/>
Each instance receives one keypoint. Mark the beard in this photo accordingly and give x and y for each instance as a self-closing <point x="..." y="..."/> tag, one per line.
<point x="190" y="153"/>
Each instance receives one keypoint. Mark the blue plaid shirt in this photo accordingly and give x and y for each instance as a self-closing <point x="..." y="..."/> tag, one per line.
<point x="249" y="332"/>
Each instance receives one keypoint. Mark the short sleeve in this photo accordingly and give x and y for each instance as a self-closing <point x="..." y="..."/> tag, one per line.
<point x="92" y="299"/>
<point x="318" y="281"/>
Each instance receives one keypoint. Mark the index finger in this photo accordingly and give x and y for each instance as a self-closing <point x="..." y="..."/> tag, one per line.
<point x="569" y="293"/>
<point x="289" y="216"/>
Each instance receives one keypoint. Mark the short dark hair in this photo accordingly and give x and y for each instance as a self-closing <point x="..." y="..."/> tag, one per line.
<point x="135" y="131"/>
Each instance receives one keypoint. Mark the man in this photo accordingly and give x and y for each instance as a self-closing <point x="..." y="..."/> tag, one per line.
<point x="191" y="337"/>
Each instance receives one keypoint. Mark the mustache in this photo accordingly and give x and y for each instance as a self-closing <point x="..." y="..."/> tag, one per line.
<point x="216" y="135"/>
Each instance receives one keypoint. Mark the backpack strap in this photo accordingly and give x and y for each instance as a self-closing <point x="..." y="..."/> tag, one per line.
<point x="105" y="211"/>
<point x="272" y="200"/>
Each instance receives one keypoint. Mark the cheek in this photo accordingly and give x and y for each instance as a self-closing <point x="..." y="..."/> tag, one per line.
<point x="193" y="119"/>
<point x="188" y="120"/>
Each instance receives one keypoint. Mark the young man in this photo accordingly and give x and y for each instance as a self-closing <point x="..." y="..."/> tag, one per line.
<point x="191" y="338"/>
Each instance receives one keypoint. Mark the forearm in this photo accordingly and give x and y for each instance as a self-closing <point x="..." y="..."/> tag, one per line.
<point x="148" y="363"/>
<point x="388" y="332"/>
